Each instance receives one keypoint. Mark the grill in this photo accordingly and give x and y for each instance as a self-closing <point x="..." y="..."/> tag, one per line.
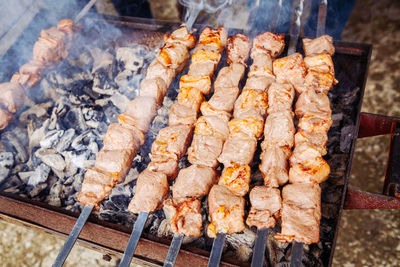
<point x="109" y="231"/>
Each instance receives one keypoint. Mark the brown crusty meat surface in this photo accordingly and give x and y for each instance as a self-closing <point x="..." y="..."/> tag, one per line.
<point x="292" y="70"/>
<point x="238" y="47"/>
<point x="180" y="114"/>
<point x="280" y="97"/>
<point x="274" y="165"/>
<point x="320" y="45"/>
<point x="238" y="150"/>
<point x="115" y="163"/>
<point x="172" y="139"/>
<point x="205" y="150"/>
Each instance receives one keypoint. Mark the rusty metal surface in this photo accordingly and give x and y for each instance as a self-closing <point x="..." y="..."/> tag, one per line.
<point x="359" y="199"/>
<point x="391" y="186"/>
<point x="375" y="124"/>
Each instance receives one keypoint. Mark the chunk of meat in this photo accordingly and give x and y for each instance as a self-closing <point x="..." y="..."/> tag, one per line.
<point x="259" y="83"/>
<point x="238" y="49"/>
<point x="268" y="43"/>
<point x="301" y="213"/>
<point x="172" y="139"/>
<point x="312" y="103"/>
<point x="320" y="63"/>
<point x="180" y="114"/>
<point x="224" y="98"/>
<point x="266" y="204"/>
<point x="49" y="48"/>
<point x="226" y="211"/>
<point x="279" y="129"/>
<point x="251" y="99"/>
<point x="212" y="126"/>
<point x="312" y="123"/>
<point x="320" y="45"/>
<point x="151" y="190"/>
<point x="236" y="178"/>
<point x="67" y="26"/>
<point x="182" y="36"/>
<point x="320" y="82"/>
<point x="291" y="69"/>
<point x="121" y="137"/>
<point x="262" y="66"/>
<point x="316" y="139"/>
<point x="157" y="69"/>
<point x="206" y="56"/>
<point x="251" y="127"/>
<point x="274" y="165"/>
<point x="184" y="216"/>
<point x="6" y="117"/>
<point x="213" y="37"/>
<point x="202" y="69"/>
<point x="194" y="181"/>
<point x="12" y="96"/>
<point x="29" y="74"/>
<point x="229" y="76"/>
<point x="115" y="163"/>
<point x="140" y="113"/>
<point x="238" y="150"/>
<point x="280" y="97"/>
<point x="207" y="110"/>
<point x="205" y="150"/>
<point x="173" y="55"/>
<point x="155" y="88"/>
<point x="202" y="83"/>
<point x="190" y="97"/>
<point x="164" y="163"/>
<point x="96" y="186"/>
<point x="307" y="165"/>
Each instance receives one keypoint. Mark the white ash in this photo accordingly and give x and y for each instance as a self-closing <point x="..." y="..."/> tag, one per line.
<point x="40" y="175"/>
<point x="6" y="162"/>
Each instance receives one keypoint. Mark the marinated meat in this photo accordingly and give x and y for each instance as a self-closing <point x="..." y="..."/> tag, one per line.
<point x="202" y="83"/>
<point x="224" y="98"/>
<point x="194" y="181"/>
<point x="292" y="70"/>
<point x="184" y="216"/>
<point x="205" y="56"/>
<point x="238" y="49"/>
<point x="251" y="99"/>
<point x="320" y="82"/>
<point x="164" y="163"/>
<point x="311" y="102"/>
<point x="320" y="45"/>
<point x="262" y="66"/>
<point x="151" y="190"/>
<point x="115" y="163"/>
<point x="202" y="69"/>
<point x="238" y="150"/>
<point x="120" y="137"/>
<point x="226" y="211"/>
<point x="49" y="48"/>
<point x="207" y="110"/>
<point x="155" y="87"/>
<point x="320" y="63"/>
<point x="140" y="113"/>
<point x="229" y="76"/>
<point x="266" y="204"/>
<point x="190" y="97"/>
<point x="172" y="139"/>
<point x="280" y="97"/>
<point x="268" y="43"/>
<point x="312" y="123"/>
<point x="279" y="129"/>
<point x="182" y="36"/>
<point x="251" y="127"/>
<point x="6" y="117"/>
<point x="259" y="83"/>
<point x="213" y="37"/>
<point x="173" y="55"/>
<point x="212" y="126"/>
<point x="274" y="165"/>
<point x="180" y="114"/>
<point x="236" y="178"/>
<point x="29" y="74"/>
<point x="205" y="150"/>
<point x="12" y="96"/>
<point x="157" y="69"/>
<point x="316" y="139"/>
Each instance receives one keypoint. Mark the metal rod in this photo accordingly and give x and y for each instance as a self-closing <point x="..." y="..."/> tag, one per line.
<point x="216" y="251"/>
<point x="295" y="25"/>
<point x="173" y="250"/>
<point x="84" y="10"/>
<point x="275" y="16"/>
<point x="63" y="254"/>
<point x="134" y="239"/>
<point x="259" y="248"/>
<point x="297" y="254"/>
<point x="322" y="11"/>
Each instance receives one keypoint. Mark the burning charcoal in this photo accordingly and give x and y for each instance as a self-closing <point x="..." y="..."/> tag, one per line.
<point x="77" y="183"/>
<point x="37" y="189"/>
<point x="81" y="158"/>
<point x="123" y="78"/>
<point x="131" y="58"/>
<point x="120" y="101"/>
<point x="65" y="140"/>
<point x="40" y="175"/>
<point x="14" y="139"/>
<point x="346" y="138"/>
<point x="82" y="141"/>
<point x="74" y="119"/>
<point x="50" y="158"/>
<point x="243" y="253"/>
<point x="6" y="162"/>
<point x="51" y="139"/>
<point x="164" y="229"/>
<point x="132" y="87"/>
<point x="111" y="113"/>
<point x="246" y="238"/>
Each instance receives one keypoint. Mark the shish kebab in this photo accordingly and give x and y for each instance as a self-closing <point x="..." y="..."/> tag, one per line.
<point x="225" y="200"/>
<point x="124" y="138"/>
<point x="211" y="130"/>
<point x="171" y="142"/>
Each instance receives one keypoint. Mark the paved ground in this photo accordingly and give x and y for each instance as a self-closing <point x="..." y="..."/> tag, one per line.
<point x="366" y="238"/>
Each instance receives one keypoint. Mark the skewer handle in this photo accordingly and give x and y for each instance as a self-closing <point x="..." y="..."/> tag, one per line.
<point x="134" y="239"/>
<point x="216" y="251"/>
<point x="297" y="254"/>
<point x="322" y="11"/>
<point x="173" y="250"/>
<point x="84" y="10"/>
<point x="62" y="256"/>
<point x="259" y="248"/>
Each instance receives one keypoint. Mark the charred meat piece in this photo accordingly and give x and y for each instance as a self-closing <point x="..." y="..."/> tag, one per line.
<point x="190" y="97"/>
<point x="12" y="96"/>
<point x="266" y="204"/>
<point x="180" y="114"/>
<point x="279" y="129"/>
<point x="115" y="163"/>
<point x="181" y="36"/>
<point x="320" y="63"/>
<point x="280" y="97"/>
<point x="251" y="127"/>
<point x="301" y="213"/>
<point x="216" y="38"/>
<point x="226" y="211"/>
<point x="224" y="98"/>
<point x="238" y="49"/>
<point x="173" y="55"/>
<point x="207" y="110"/>
<point x="194" y="181"/>
<point x="29" y="74"/>
<point x="236" y="178"/>
<point x="164" y="163"/>
<point x="259" y="83"/>
<point x="320" y="45"/>
<point x="6" y="117"/>
<point x="292" y="70"/>
<point x="95" y="187"/>
<point x="155" y="88"/>
<point x="238" y="150"/>
<point x="307" y="165"/>
<point x="212" y="126"/>
<point x="229" y="76"/>
<point x="274" y="165"/>
<point x="172" y="139"/>
<point x="268" y="43"/>
<point x="202" y="83"/>
<point x="184" y="216"/>
<point x="151" y="190"/>
<point x="311" y="102"/>
<point x="205" y="150"/>
<point x="251" y="99"/>
<point x="121" y="137"/>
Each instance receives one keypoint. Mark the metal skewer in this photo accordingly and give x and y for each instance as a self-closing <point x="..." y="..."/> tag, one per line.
<point x="295" y="24"/>
<point x="173" y="250"/>
<point x="259" y="248"/>
<point x="297" y="254"/>
<point x="276" y="14"/>
<point x="216" y="252"/>
<point x="62" y="256"/>
<point x="85" y="10"/>
<point x="322" y="11"/>
<point x="134" y="239"/>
